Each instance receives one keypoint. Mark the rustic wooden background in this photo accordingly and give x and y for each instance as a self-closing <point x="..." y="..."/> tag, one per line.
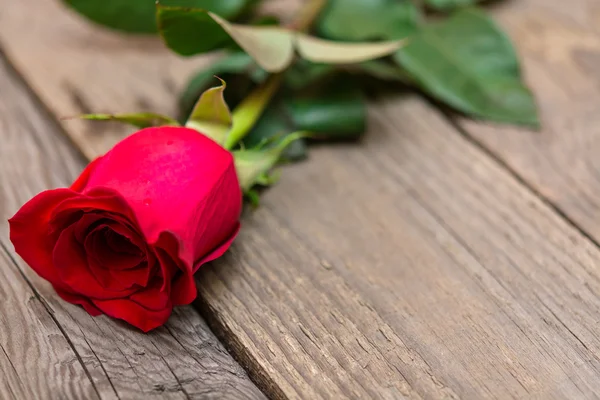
<point x="439" y="258"/>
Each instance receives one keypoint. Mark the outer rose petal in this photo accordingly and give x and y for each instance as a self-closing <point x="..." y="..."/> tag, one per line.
<point x="166" y="257"/>
<point x="133" y="313"/>
<point x="184" y="288"/>
<point x="29" y="232"/>
<point x="145" y="310"/>
<point x="152" y="298"/>
<point x="82" y="301"/>
<point x="97" y="200"/>
<point x="219" y="251"/>
<point x="82" y="180"/>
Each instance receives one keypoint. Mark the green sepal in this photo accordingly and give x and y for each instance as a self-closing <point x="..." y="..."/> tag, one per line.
<point x="254" y="166"/>
<point x="211" y="115"/>
<point x="253" y="197"/>
<point x="248" y="112"/>
<point x="237" y="68"/>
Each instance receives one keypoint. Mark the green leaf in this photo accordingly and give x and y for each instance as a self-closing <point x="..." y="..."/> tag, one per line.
<point x="194" y="31"/>
<point x="253" y="197"/>
<point x="303" y="73"/>
<point x="384" y="70"/>
<point x="357" y="20"/>
<point x="447" y="5"/>
<point x="334" y="111"/>
<point x="211" y="115"/>
<point x="139" y="16"/>
<point x="271" y="47"/>
<point x="139" y="120"/>
<point x="269" y="178"/>
<point x="330" y="52"/>
<point x="255" y="165"/>
<point x="266" y="20"/>
<point x="470" y="64"/>
<point x="189" y="31"/>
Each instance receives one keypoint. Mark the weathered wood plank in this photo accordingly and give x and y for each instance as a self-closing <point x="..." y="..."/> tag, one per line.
<point x="60" y="51"/>
<point x="36" y="359"/>
<point x="47" y="347"/>
<point x="560" y="44"/>
<point x="411" y="266"/>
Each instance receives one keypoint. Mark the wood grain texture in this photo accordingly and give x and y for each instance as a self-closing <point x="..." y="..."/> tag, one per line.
<point x="411" y="266"/>
<point x="36" y="359"/>
<point x="75" y="67"/>
<point x="559" y="42"/>
<point x="50" y="349"/>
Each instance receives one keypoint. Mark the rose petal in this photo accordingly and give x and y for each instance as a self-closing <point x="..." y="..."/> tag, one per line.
<point x="71" y="263"/>
<point x="29" y="232"/>
<point x="65" y="219"/>
<point x="184" y="286"/>
<point x="152" y="298"/>
<point x="215" y="220"/>
<point x="99" y="250"/>
<point x="146" y="312"/>
<point x="116" y="271"/>
<point x="120" y="280"/>
<point x="82" y="180"/>
<point x="82" y="301"/>
<point x="166" y="250"/>
<point x="119" y="244"/>
<point x="219" y="251"/>
<point x="117" y="281"/>
<point x="86" y="224"/>
<point x="102" y="205"/>
<point x="134" y="244"/>
<point x="98" y="201"/>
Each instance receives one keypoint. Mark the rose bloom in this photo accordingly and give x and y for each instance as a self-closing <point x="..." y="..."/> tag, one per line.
<point x="126" y="238"/>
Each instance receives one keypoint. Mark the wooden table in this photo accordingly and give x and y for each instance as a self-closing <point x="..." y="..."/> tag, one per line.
<point x="439" y="258"/>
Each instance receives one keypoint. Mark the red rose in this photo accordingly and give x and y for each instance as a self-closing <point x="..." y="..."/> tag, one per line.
<point x="127" y="237"/>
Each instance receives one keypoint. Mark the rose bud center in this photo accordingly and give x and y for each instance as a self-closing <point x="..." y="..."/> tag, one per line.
<point x="113" y="257"/>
